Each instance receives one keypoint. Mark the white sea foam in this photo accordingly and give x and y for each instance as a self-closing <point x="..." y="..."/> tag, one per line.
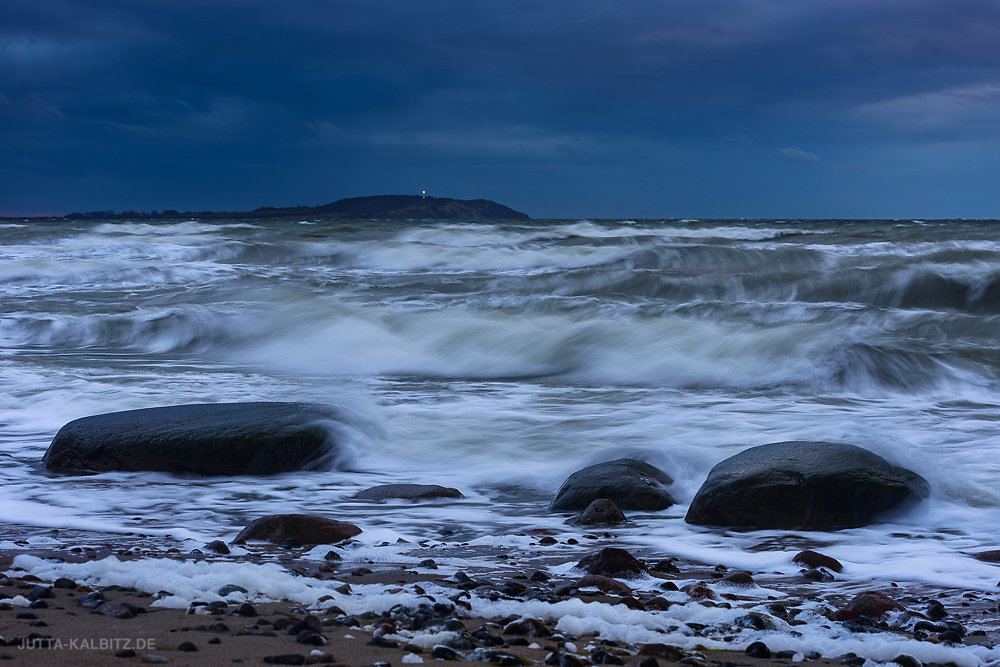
<point x="499" y="358"/>
<point x="192" y="580"/>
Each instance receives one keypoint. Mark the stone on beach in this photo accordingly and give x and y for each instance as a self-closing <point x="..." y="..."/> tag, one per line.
<point x="868" y="603"/>
<point x="407" y="492"/>
<point x="304" y="528"/>
<point x="208" y="439"/>
<point x="631" y="484"/>
<point x="803" y="485"/>
<point x="612" y="562"/>
<point x="600" y="512"/>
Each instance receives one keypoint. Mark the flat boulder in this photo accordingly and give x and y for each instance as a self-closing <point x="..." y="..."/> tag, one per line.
<point x="803" y="485"/>
<point x="407" y="492"/>
<point x="629" y="483"/>
<point x="303" y="528"/>
<point x="208" y="439"/>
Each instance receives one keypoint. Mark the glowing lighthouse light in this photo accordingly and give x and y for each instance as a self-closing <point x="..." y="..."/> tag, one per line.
<point x="423" y="194"/>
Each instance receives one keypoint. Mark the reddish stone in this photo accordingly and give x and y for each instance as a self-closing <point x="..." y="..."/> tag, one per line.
<point x="811" y="558"/>
<point x="612" y="562"/>
<point x="698" y="591"/>
<point x="869" y="603"/>
<point x="739" y="578"/>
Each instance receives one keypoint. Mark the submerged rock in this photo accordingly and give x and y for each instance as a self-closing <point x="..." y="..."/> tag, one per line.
<point x="209" y="439"/>
<point x="407" y="492"/>
<point x="803" y="485"/>
<point x="303" y="528"/>
<point x="631" y="484"/>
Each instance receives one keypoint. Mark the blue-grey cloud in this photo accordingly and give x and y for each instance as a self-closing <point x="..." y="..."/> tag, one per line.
<point x="232" y="104"/>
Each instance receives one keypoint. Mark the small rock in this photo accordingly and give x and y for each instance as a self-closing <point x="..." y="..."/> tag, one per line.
<point x="154" y="659"/>
<point x="548" y="541"/>
<point x="332" y="556"/>
<point x="311" y="638"/>
<point x="187" y="647"/>
<point x="818" y="574"/>
<point x="907" y="661"/>
<point x="230" y="588"/>
<point x="125" y="653"/>
<point x="612" y="562"/>
<point x="950" y="636"/>
<point x="442" y="652"/>
<point x="63" y="582"/>
<point x="606" y="584"/>
<point x="40" y="593"/>
<point x="739" y="578"/>
<point x="27" y="615"/>
<point x="935" y="610"/>
<point x="759" y="650"/>
<point x="285" y="659"/>
<point x="118" y="609"/>
<point x="248" y="610"/>
<point x="815" y="559"/>
<point x="647" y="662"/>
<point x="665" y="651"/>
<point x="91" y="600"/>
<point x="698" y="592"/>
<point x="412" y="492"/>
<point x="600" y="512"/>
<point x="868" y="603"/>
<point x="665" y="565"/>
<point x="218" y="547"/>
<point x="532" y="627"/>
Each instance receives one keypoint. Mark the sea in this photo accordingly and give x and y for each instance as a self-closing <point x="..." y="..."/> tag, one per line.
<point x="500" y="357"/>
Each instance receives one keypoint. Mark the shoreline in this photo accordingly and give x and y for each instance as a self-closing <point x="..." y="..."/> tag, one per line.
<point x="702" y="614"/>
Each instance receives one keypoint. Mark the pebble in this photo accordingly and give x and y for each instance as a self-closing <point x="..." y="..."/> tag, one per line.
<point x="217" y="546"/>
<point x="154" y="659"/>
<point x="187" y="647"/>
<point x="285" y="659"/>
<point x="758" y="650"/>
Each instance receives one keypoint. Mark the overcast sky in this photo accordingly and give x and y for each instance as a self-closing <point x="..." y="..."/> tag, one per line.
<point x="558" y="108"/>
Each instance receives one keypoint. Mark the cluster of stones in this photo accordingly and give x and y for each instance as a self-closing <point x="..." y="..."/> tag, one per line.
<point x="786" y="485"/>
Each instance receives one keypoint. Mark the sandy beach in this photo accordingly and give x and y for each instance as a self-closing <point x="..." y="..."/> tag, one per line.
<point x="367" y="613"/>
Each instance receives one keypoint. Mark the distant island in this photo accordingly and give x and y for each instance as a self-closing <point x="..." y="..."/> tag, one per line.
<point x="379" y="207"/>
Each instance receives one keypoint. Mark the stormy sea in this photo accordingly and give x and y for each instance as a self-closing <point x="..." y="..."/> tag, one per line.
<point x="500" y="357"/>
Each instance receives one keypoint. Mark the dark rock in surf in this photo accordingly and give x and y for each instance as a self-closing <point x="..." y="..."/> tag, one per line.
<point x="612" y="562"/>
<point x="600" y="512"/>
<point x="304" y="528"/>
<point x="629" y="483"/>
<point x="209" y="439"/>
<point x="814" y="559"/>
<point x="803" y="485"/>
<point x="407" y="492"/>
<point x="992" y="556"/>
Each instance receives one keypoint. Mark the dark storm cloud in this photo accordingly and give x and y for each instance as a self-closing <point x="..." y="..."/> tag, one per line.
<point x="234" y="104"/>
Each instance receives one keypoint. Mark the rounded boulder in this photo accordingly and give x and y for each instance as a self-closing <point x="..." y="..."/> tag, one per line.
<point x="803" y="485"/>
<point x="631" y="484"/>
